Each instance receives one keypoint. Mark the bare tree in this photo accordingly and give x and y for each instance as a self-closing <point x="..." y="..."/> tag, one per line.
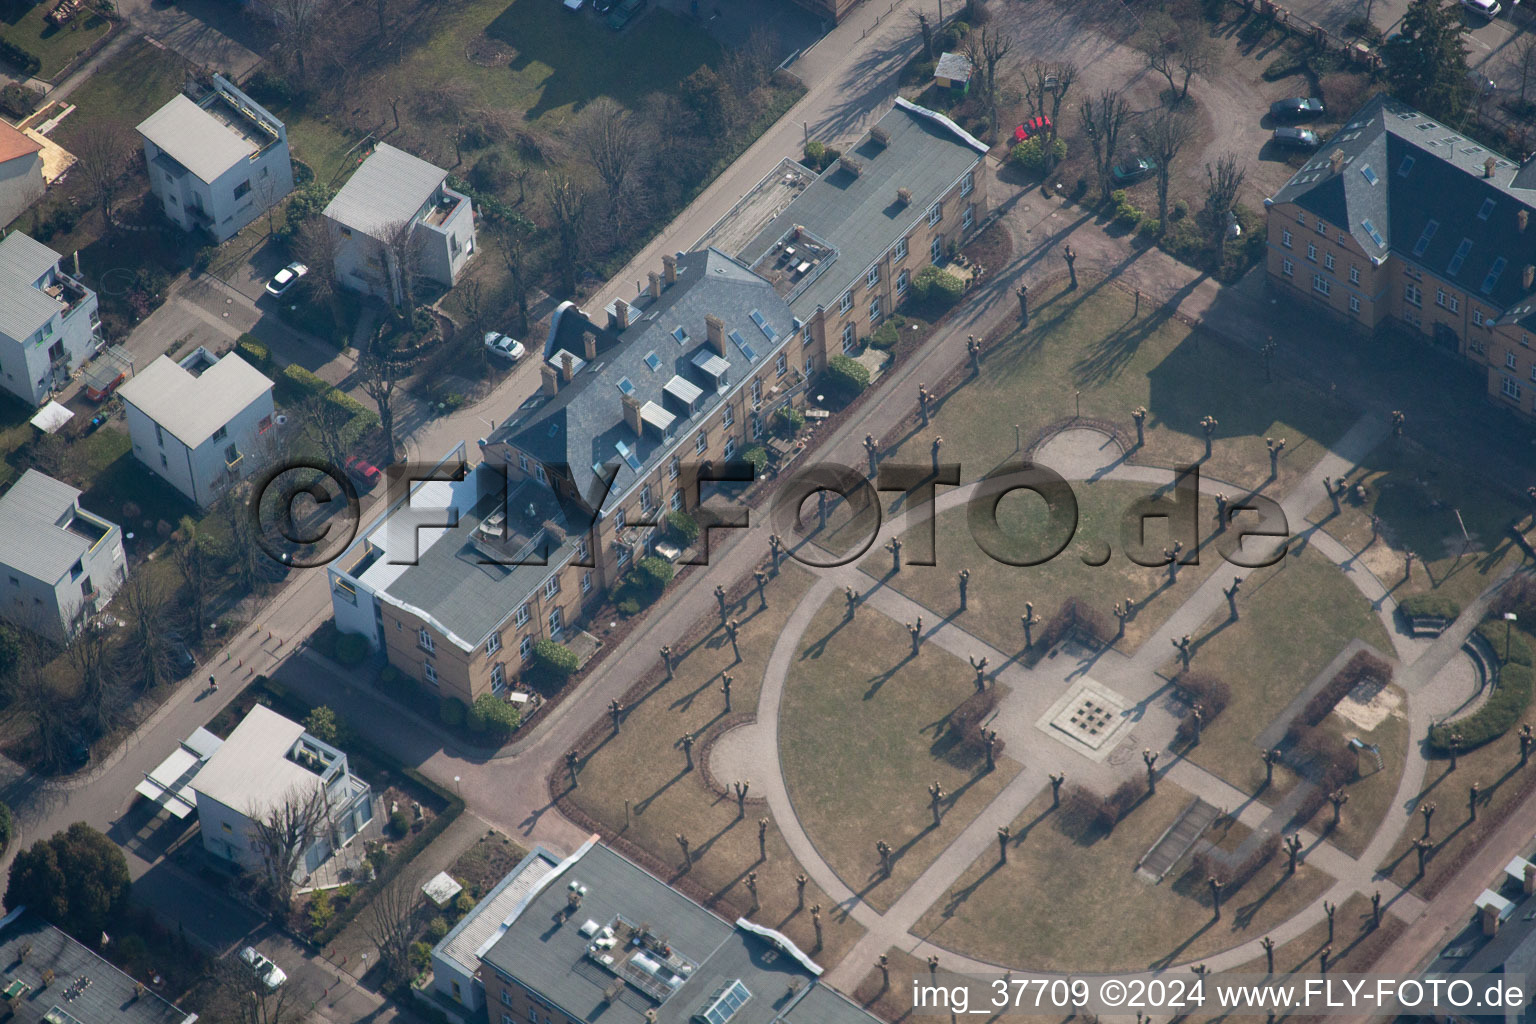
<point x="1194" y="56"/>
<point x="297" y="22"/>
<point x="986" y="49"/>
<point x="236" y="995"/>
<point x="614" y="142"/>
<point x="378" y="377"/>
<point x="244" y="553"/>
<point x="189" y="552"/>
<point x="402" y="247"/>
<point x="1103" y="120"/>
<point x="1046" y="88"/>
<point x="326" y="420"/>
<point x="568" y="209"/>
<point x="101" y="159"/>
<point x="1221" y="187"/>
<point x="317" y="243"/>
<point x="1175" y="50"/>
<point x="512" y="239"/>
<point x="390" y="926"/>
<point x="1522" y="61"/>
<point x="1163" y="134"/>
<point x="99" y="695"/>
<point x="149" y="654"/>
<point x="281" y="834"/>
<point x="30" y="694"/>
<point x="748" y="66"/>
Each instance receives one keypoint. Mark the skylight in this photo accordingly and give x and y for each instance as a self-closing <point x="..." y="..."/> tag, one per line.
<point x="1493" y="275"/>
<point x="1461" y="254"/>
<point x="725" y="1005"/>
<point x="627" y="455"/>
<point x="626" y="386"/>
<point x="746" y="349"/>
<point x="680" y="335"/>
<point x="1405" y="167"/>
<point x="1488" y="205"/>
<point x="764" y="326"/>
<point x="1423" y="242"/>
<point x="1368" y="174"/>
<point x="652" y="361"/>
<point x="1370" y="229"/>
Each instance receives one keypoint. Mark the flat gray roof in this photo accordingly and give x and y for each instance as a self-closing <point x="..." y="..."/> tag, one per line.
<point x="196" y="139"/>
<point x="23" y="306"/>
<point x="390" y="187"/>
<point x="31" y="539"/>
<point x="192" y="408"/>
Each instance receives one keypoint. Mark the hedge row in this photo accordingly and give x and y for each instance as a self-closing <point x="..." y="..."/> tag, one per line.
<point x="1209" y="864"/>
<point x="1210" y="693"/>
<point x="1363" y="667"/>
<point x="1497" y="716"/>
<point x="1075" y="617"/>
<point x="253" y="351"/>
<point x="23" y="60"/>
<point x="1429" y="604"/>
<point x="301" y="384"/>
<point x="965" y="725"/>
<point x="1086" y="813"/>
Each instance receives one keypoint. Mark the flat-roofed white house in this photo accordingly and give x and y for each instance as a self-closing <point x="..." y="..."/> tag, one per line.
<point x="48" y="320"/>
<point x="266" y="762"/>
<point x="396" y="216"/>
<point x="59" y="564"/>
<point x="216" y="163"/>
<point x="199" y="424"/>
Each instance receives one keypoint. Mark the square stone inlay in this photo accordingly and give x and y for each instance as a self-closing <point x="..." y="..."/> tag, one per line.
<point x="1089" y="713"/>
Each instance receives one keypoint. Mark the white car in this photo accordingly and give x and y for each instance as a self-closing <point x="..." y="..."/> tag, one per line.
<point x="284" y="279"/>
<point x="267" y="972"/>
<point x="1487" y="8"/>
<point x="504" y="345"/>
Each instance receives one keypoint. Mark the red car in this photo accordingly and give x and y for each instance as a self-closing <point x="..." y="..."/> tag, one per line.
<point x="365" y="472"/>
<point x="1034" y="126"/>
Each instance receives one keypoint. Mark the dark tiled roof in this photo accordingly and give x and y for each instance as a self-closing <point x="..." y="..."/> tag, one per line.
<point x="582" y="426"/>
<point x="1403" y="184"/>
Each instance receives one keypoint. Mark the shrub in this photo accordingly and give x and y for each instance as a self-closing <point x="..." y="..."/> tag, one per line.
<point x="1180" y="210"/>
<point x="351" y="649"/>
<point x="399" y="823"/>
<point x="820" y="156"/>
<point x="682" y="528"/>
<point x="1074" y="618"/>
<point x="757" y="455"/>
<point x="1364" y="667"/>
<point x="321" y="724"/>
<point x="450" y="711"/>
<point x="1037" y="156"/>
<point x="18" y="101"/>
<point x="1283" y="66"/>
<point x="1126" y="213"/>
<point x="7" y="826"/>
<point x="884" y="338"/>
<point x="495" y="715"/>
<point x="944" y="287"/>
<point x="253" y="352"/>
<point x="1210" y="864"/>
<point x="846" y="378"/>
<point x="1494" y="632"/>
<point x="653" y="573"/>
<point x="1497" y="716"/>
<point x="1150" y="227"/>
<point x="963" y="728"/>
<point x="1212" y="694"/>
<point x="320" y="910"/>
<point x="421" y="956"/>
<point x="19" y="58"/>
<point x="553" y="661"/>
<point x="789" y="421"/>
<point x="437" y="928"/>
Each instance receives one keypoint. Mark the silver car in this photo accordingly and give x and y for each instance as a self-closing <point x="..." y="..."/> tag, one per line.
<point x="504" y="345"/>
<point x="267" y="972"/>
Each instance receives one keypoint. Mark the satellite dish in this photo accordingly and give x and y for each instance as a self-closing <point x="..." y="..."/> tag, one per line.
<point x="282" y="420"/>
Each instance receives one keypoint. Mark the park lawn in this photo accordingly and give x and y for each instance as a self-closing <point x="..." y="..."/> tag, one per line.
<point x="1356" y="943"/>
<point x="893" y="999"/>
<point x="133" y="84"/>
<point x="1088" y="341"/>
<point x="997" y="591"/>
<point x="1294" y="619"/>
<point x="1371" y="795"/>
<point x="861" y="740"/>
<point x="25" y="25"/>
<point x="643" y="766"/>
<point x="1417" y="494"/>
<point x="1088" y="910"/>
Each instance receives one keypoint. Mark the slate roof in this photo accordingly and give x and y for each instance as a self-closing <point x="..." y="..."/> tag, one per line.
<point x="582" y="426"/>
<point x="31" y="541"/>
<point x="549" y="956"/>
<point x="391" y="186"/>
<point x="1401" y="171"/>
<point x="195" y="138"/>
<point x="858" y="214"/>
<point x="191" y="408"/>
<point x="23" y="307"/>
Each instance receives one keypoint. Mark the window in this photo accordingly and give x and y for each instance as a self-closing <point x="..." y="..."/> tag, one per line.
<point x="936" y="249"/>
<point x="968" y="183"/>
<point x="163" y="463"/>
<point x="846" y="302"/>
<point x="552" y="586"/>
<point x="935" y="213"/>
<point x="522" y="462"/>
<point x="730" y="448"/>
<point x="1478" y="346"/>
<point x="525" y="649"/>
<point x="900" y="252"/>
<point x="1285" y="238"/>
<point x="901" y="283"/>
<point x="1354" y="275"/>
<point x="243" y="189"/>
<point x="498" y="677"/>
<point x="220" y="434"/>
<point x="1322" y="229"/>
<point x="850" y="337"/>
<point x="781" y="365"/>
<point x="521" y="616"/>
<point x="1301" y="218"/>
<point x="538" y="472"/>
<point x="1511" y="389"/>
<point x="622" y="553"/>
<point x="757" y="392"/>
<point x="1320" y="284"/>
<point x="1440" y="297"/>
<point x="729" y="417"/>
<point x="810" y="365"/>
<point x="619" y="518"/>
<point x="645" y="498"/>
<point x="874" y="310"/>
<point x="586" y="583"/>
<point x="493" y="644"/>
<point x="1328" y="261"/>
<point x="581" y="548"/>
<point x="159" y="436"/>
<point x="757" y="427"/>
<point x="555" y="622"/>
<point x="424" y="639"/>
<point x="429" y="672"/>
<point x="673" y="468"/>
<point x="872" y="279"/>
<point x="1487" y="209"/>
<point x="1454" y="304"/>
<point x="1477" y="317"/>
<point x="701" y="442"/>
<point x="1510" y="361"/>
<point x="1525" y="341"/>
<point x="677" y="501"/>
<point x="1287" y="267"/>
<point x="1412" y="294"/>
<point x="969" y="218"/>
<point x="1354" y="303"/>
<point x="1311" y="252"/>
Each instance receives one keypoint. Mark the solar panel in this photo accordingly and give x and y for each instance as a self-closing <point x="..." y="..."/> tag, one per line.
<point x="1423" y="242"/>
<point x="652" y="361"/>
<point x="1461" y="254"/>
<point x="1493" y="274"/>
<point x="764" y="326"/>
<point x="627" y="455"/>
<point x="626" y="386"/>
<point x="746" y="349"/>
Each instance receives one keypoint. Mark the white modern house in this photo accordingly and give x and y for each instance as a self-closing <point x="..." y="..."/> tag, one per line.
<point x="265" y="763"/>
<point x="218" y="162"/>
<point x="48" y="320"/>
<point x="397" y="215"/>
<point x="21" y="172"/>
<point x="59" y="564"/>
<point x="199" y="423"/>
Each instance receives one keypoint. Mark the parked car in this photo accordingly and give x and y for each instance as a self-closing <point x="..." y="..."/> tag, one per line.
<point x="1486" y="8"/>
<point x="363" y="471"/>
<point x="1296" y="108"/>
<point x="284" y="279"/>
<point x="267" y="972"/>
<point x="573" y="5"/>
<point x="1481" y="83"/>
<point x="1295" y="138"/>
<point x="1034" y="126"/>
<point x="624" y="13"/>
<point x="504" y="345"/>
<point x="1133" y="170"/>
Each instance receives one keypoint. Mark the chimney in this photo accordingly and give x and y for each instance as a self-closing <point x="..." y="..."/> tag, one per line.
<point x="632" y="414"/>
<point x="589" y="344"/>
<point x="852" y="166"/>
<point x="551" y="378"/>
<point x="567" y="366"/>
<point x="1336" y="161"/>
<point x="669" y="268"/>
<point x="1488" y="917"/>
<point x="1488" y="166"/>
<point x="1522" y="218"/>
<point x="1529" y="277"/>
<point x="904" y="196"/>
<point x="619" y="318"/>
<point x="655" y="285"/>
<point x="715" y="327"/>
<point x="878" y="134"/>
<point x="1529" y="885"/>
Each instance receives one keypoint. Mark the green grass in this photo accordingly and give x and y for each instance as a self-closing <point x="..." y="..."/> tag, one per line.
<point x="997" y="591"/>
<point x="25" y="25"/>
<point x="1088" y="341"/>
<point x="1058" y="905"/>
<point x="860" y="737"/>
<point x="123" y="91"/>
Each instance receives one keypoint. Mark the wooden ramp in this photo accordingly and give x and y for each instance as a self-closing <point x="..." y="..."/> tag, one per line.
<point x="1185" y="831"/>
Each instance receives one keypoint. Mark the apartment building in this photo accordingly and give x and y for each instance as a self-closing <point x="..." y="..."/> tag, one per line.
<point x="395" y="218"/>
<point x="199" y="424"/>
<point x="844" y="252"/>
<point x="598" y="938"/>
<point x="218" y="162"/>
<point x="48" y="319"/>
<point x="60" y="563"/>
<point x="1401" y="218"/>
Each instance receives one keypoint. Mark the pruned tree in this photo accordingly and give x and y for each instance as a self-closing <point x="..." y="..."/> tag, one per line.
<point x="101" y="159"/>
<point x="986" y="48"/>
<point x="1222" y="183"/>
<point x="925" y="32"/>
<point x="568" y="211"/>
<point x="389" y="925"/>
<point x="614" y="143"/>
<point x="1164" y="134"/>
<point x="1103" y="119"/>
<point x="1046" y="87"/>
<point x="280" y="835"/>
<point x="378" y="376"/>
<point x="149" y="654"/>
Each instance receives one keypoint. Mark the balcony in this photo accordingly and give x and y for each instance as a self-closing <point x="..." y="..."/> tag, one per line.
<point x="233" y="464"/>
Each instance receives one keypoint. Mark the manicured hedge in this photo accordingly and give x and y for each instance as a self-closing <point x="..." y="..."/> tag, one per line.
<point x="941" y="285"/>
<point x="1429" y="604"/>
<point x="1504" y="706"/>
<point x="254" y="352"/>
<point x="846" y="377"/>
<point x="300" y="384"/>
<point x="23" y="60"/>
<point x="1363" y="667"/>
